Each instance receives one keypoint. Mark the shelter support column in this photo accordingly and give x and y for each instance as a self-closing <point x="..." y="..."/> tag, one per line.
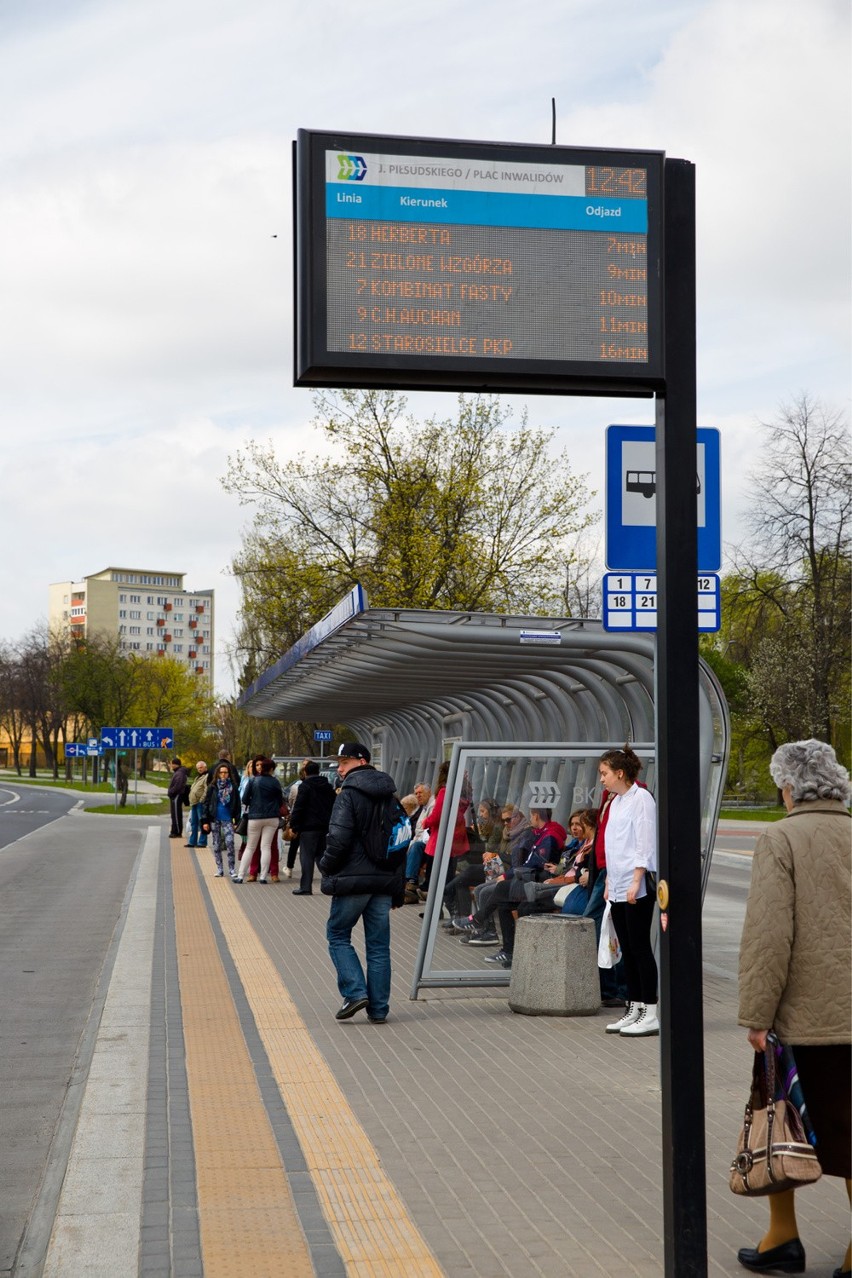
<point x="679" y="782"/>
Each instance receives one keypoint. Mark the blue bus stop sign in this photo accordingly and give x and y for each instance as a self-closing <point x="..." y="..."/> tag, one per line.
<point x="631" y="499"/>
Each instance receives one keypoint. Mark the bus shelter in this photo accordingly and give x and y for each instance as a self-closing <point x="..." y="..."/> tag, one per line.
<point x="522" y="707"/>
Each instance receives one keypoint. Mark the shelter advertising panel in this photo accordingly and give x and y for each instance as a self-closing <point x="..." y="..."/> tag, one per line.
<point x="447" y="264"/>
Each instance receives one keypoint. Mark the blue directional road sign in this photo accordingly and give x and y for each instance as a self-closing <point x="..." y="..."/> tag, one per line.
<point x="630" y="601"/>
<point x="323" y="734"/>
<point x="137" y="738"/>
<point x="75" y="749"/>
<point x="631" y="499"/>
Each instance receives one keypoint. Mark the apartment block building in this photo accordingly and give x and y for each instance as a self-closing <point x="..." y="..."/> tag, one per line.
<point x="148" y="611"/>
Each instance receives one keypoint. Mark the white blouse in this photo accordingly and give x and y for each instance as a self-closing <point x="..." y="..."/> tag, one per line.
<point x="630" y="839"/>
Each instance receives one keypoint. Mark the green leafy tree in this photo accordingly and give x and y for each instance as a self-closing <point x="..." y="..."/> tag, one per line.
<point x="167" y="694"/>
<point x="462" y="513"/>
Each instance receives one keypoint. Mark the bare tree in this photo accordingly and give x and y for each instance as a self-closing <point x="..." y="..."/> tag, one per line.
<point x="13" y="716"/>
<point x="794" y="573"/>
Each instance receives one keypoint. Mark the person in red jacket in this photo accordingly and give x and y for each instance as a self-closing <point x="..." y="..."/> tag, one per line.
<point x="461" y="843"/>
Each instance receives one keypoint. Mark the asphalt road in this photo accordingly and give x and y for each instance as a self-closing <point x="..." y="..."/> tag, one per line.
<point x="26" y="808"/>
<point x="63" y="880"/>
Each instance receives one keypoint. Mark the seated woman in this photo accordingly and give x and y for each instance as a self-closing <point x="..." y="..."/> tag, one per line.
<point x="579" y="873"/>
<point x="488" y="833"/>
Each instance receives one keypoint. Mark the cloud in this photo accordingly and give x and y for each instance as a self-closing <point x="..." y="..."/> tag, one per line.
<point x="145" y="315"/>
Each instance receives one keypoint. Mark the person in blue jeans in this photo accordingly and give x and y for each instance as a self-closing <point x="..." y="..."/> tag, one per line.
<point x="361" y="887"/>
<point x="197" y="795"/>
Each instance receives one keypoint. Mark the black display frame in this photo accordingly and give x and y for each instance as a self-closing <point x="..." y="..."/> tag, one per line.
<point x="317" y="366"/>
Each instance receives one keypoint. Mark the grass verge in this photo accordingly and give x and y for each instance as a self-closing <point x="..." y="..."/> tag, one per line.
<point x="159" y="808"/>
<point x="753" y="814"/>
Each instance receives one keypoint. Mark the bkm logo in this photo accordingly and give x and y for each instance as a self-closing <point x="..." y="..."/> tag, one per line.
<point x="353" y="168"/>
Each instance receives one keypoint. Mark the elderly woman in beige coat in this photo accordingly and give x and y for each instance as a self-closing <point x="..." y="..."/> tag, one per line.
<point x="796" y="969"/>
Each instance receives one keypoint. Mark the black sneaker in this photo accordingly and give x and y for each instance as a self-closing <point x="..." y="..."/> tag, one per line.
<point x="349" y="1007"/>
<point x="501" y="958"/>
<point x="462" y="922"/>
<point x="484" y="936"/>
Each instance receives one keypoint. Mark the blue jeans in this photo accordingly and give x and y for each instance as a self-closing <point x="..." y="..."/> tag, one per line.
<point x="197" y="837"/>
<point x="613" y="983"/>
<point x="345" y="912"/>
<point x="413" y="861"/>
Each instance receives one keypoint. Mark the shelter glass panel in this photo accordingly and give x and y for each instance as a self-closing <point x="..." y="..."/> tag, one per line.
<point x="505" y="782"/>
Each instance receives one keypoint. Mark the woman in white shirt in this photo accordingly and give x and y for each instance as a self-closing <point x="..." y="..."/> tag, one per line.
<point x="630" y="843"/>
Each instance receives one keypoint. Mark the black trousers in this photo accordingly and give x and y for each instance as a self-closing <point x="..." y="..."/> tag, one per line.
<point x="292" y="852"/>
<point x="633" y="929"/>
<point x="311" y="848"/>
<point x="457" y="890"/>
<point x="176" y="810"/>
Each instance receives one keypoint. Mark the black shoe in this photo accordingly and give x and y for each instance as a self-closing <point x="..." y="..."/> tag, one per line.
<point x="380" y="1020"/>
<point x="613" y="1002"/>
<point x="788" y="1258"/>
<point x="302" y="892"/>
<point x="842" y="1273"/>
<point x="349" y="1007"/>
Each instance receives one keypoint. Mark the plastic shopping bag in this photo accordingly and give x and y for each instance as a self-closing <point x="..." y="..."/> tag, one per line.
<point x="609" y="951"/>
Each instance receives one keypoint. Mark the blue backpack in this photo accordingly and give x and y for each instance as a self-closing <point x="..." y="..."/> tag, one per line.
<point x="388" y="834"/>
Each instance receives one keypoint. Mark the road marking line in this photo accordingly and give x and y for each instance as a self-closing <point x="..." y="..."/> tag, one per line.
<point x="248" y="1222"/>
<point x="372" y="1229"/>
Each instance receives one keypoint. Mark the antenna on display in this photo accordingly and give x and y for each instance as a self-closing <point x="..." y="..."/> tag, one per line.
<point x="553" y="121"/>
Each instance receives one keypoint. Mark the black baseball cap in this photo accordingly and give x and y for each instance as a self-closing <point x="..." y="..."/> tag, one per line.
<point x="354" y="750"/>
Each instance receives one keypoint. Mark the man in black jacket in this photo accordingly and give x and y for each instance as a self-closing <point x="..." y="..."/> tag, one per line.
<point x="361" y="889"/>
<point x="309" y="819"/>
<point x="177" y="795"/>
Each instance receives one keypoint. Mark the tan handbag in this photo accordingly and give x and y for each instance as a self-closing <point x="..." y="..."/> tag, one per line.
<point x="773" y="1153"/>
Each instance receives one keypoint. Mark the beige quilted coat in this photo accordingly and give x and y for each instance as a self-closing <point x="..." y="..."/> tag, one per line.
<point x="796" y="948"/>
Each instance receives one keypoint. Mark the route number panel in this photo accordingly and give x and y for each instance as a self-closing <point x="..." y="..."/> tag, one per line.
<point x="446" y="264"/>
<point x="630" y="601"/>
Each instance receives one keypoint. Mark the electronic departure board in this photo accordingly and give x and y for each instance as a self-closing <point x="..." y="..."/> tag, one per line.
<point x="435" y="264"/>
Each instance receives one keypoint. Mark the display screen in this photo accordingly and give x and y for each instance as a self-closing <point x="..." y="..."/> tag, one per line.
<point x="495" y="266"/>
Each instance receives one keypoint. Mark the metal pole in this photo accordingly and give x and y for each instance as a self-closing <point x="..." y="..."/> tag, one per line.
<point x="678" y="780"/>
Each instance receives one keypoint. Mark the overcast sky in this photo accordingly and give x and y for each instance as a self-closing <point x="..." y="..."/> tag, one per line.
<point x="145" y="307"/>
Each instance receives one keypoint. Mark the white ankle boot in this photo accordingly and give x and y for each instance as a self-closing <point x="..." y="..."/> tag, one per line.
<point x="631" y="1015"/>
<point x="646" y="1023"/>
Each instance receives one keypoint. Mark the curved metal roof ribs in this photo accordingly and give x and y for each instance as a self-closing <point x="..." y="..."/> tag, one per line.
<point x="414" y="679"/>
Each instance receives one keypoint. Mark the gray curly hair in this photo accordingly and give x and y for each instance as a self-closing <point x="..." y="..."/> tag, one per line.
<point x="811" y="770"/>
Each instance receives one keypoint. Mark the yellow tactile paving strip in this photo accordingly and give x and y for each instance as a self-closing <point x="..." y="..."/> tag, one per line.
<point x="247" y="1219"/>
<point x="372" y="1230"/>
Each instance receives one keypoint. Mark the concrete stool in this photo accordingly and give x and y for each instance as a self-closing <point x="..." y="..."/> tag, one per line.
<point x="555" y="967"/>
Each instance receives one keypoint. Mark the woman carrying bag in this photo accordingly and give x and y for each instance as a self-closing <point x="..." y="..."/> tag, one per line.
<point x="795" y="970"/>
